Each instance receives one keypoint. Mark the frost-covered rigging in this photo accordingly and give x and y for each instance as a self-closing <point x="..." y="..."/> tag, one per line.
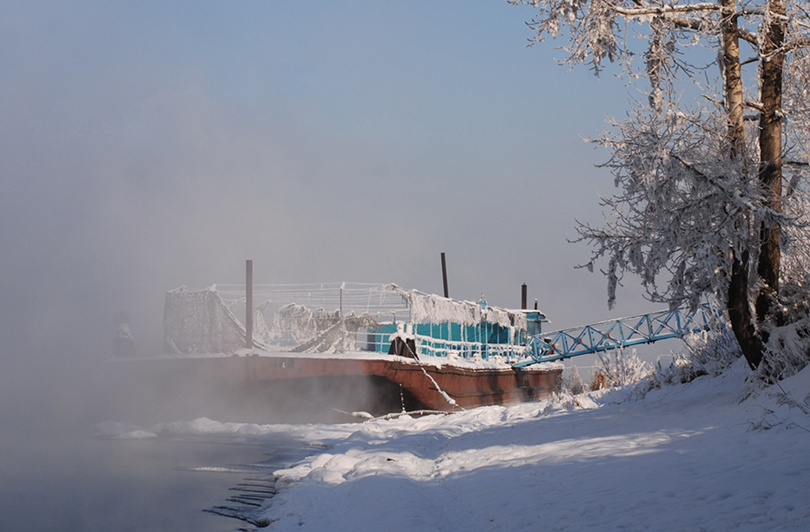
<point x="201" y="322"/>
<point x="341" y="318"/>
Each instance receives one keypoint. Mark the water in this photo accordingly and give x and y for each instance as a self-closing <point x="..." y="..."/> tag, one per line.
<point x="54" y="475"/>
<point x="74" y="482"/>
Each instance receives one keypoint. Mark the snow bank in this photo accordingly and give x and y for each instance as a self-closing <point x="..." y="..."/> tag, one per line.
<point x="692" y="456"/>
<point x="122" y="431"/>
<point x="685" y="457"/>
<point x="315" y="434"/>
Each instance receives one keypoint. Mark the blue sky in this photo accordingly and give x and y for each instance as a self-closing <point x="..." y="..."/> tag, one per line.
<point x="148" y="145"/>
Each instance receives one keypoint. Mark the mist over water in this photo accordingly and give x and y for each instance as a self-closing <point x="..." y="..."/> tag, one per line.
<point x="150" y="145"/>
<point x="91" y="484"/>
<point x="56" y="475"/>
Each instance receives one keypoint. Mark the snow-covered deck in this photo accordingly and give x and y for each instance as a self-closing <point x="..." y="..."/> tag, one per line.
<point x="491" y="363"/>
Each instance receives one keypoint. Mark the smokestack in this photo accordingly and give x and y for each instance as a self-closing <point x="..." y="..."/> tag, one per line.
<point x="444" y="276"/>
<point x="523" y="297"/>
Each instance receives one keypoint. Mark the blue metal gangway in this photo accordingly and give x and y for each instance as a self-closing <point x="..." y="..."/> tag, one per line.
<point x="618" y="333"/>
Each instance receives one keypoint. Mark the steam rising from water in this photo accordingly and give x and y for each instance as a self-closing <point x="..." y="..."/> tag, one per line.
<point x="152" y="145"/>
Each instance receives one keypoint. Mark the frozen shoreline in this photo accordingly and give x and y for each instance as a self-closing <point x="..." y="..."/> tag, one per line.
<point x="685" y="457"/>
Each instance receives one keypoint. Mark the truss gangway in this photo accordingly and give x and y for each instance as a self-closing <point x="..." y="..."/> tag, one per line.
<point x="618" y="333"/>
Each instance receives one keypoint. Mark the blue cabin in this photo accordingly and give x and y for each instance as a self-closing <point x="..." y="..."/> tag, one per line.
<point x="443" y="327"/>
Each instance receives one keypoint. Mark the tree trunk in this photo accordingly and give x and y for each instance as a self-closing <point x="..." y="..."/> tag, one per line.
<point x="770" y="145"/>
<point x="739" y="310"/>
<point x="732" y="78"/>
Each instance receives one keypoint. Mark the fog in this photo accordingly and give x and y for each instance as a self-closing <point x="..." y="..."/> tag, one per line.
<point x="149" y="145"/>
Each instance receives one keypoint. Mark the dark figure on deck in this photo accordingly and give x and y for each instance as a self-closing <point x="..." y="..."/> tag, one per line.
<point x="403" y="348"/>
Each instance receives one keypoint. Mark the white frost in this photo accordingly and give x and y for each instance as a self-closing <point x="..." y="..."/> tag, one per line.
<point x="687" y="457"/>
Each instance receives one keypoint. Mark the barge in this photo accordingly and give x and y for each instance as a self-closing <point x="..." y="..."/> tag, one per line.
<point x="377" y="348"/>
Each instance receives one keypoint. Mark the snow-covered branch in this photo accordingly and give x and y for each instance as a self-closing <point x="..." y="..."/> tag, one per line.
<point x="664" y="9"/>
<point x="683" y="205"/>
<point x="702" y="206"/>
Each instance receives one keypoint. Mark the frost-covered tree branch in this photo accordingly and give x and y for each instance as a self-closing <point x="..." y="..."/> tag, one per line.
<point x="672" y="171"/>
<point x="701" y="207"/>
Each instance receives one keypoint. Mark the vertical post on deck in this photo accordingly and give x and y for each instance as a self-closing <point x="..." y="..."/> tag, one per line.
<point x="249" y="304"/>
<point x="444" y="276"/>
<point x="523" y="297"/>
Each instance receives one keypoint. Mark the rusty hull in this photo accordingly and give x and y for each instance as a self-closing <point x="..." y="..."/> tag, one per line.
<point x="470" y="387"/>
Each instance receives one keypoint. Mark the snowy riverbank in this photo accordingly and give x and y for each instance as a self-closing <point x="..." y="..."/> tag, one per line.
<point x="685" y="457"/>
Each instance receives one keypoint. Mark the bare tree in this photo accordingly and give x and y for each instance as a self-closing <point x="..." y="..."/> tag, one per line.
<point x="702" y="198"/>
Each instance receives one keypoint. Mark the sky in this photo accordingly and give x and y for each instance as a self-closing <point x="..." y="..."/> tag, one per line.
<point x="149" y="145"/>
